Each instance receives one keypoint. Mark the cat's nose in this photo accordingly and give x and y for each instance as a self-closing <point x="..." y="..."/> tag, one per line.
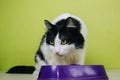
<point x="58" y="53"/>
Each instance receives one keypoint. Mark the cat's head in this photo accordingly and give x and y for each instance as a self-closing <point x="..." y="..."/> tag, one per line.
<point x="64" y="37"/>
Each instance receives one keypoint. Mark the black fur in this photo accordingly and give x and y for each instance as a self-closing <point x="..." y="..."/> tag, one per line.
<point x="40" y="55"/>
<point x="72" y="35"/>
<point x="39" y="52"/>
<point x="22" y="70"/>
<point x="51" y="34"/>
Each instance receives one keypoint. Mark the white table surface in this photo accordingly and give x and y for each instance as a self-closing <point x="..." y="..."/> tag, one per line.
<point x="112" y="74"/>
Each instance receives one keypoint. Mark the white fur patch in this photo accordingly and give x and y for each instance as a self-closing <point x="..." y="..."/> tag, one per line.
<point x="62" y="50"/>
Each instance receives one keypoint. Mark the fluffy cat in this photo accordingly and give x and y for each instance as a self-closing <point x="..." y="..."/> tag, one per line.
<point x="63" y="43"/>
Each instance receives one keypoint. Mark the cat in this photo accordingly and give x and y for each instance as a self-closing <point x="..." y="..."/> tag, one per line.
<point x="63" y="42"/>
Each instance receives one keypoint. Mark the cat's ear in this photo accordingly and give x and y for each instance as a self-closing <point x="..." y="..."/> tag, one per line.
<point x="70" y="23"/>
<point x="48" y="24"/>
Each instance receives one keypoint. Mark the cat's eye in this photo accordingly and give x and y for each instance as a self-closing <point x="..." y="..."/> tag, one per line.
<point x="51" y="42"/>
<point x="63" y="42"/>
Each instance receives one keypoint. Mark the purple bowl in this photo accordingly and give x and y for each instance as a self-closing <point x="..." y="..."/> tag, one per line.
<point x="73" y="72"/>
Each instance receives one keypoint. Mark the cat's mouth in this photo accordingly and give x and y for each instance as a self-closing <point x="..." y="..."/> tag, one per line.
<point x="59" y="55"/>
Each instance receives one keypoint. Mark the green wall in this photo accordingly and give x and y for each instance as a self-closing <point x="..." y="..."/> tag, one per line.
<point x="22" y="26"/>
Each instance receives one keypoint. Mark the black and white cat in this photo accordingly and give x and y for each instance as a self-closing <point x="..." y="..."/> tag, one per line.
<point x="63" y="43"/>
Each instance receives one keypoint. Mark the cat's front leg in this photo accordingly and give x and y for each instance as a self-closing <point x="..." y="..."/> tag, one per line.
<point x="81" y="59"/>
<point x="37" y="69"/>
